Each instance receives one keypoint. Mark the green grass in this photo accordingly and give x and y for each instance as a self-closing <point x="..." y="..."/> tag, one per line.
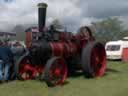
<point x="27" y="88"/>
<point x="113" y="83"/>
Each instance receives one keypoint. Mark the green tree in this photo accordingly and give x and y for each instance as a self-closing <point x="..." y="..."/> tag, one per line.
<point x="108" y="29"/>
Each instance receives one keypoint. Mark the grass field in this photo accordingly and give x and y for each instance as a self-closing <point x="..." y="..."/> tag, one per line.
<point x="113" y="83"/>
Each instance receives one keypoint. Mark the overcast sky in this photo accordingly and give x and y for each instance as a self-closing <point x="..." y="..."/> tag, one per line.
<point x="72" y="13"/>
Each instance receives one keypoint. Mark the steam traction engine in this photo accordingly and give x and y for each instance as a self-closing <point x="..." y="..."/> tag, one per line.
<point x="54" y="54"/>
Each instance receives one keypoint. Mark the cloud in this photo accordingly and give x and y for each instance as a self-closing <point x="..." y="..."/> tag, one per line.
<point x="73" y="13"/>
<point x="17" y="12"/>
<point x="104" y="8"/>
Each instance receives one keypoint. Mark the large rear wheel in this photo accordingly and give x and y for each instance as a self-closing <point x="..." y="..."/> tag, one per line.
<point x="55" y="71"/>
<point x="94" y="59"/>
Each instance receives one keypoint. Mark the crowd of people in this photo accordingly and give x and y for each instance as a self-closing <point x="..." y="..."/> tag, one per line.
<point x="9" y="51"/>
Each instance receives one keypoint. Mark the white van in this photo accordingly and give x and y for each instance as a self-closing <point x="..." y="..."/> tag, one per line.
<point x="114" y="49"/>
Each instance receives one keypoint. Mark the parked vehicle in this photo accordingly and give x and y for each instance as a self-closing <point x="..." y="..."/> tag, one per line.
<point x="55" y="54"/>
<point x="114" y="49"/>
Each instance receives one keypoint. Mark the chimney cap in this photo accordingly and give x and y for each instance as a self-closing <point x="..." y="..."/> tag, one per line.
<point x="42" y="5"/>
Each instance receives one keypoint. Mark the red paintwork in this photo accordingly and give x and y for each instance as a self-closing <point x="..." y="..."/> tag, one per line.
<point x="125" y="55"/>
<point x="28" y="39"/>
<point x="63" y="49"/>
<point x="30" y="71"/>
<point x="98" y="61"/>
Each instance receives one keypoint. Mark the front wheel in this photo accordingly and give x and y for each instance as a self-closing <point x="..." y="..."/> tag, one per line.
<point x="94" y="59"/>
<point x="55" y="71"/>
<point x="24" y="69"/>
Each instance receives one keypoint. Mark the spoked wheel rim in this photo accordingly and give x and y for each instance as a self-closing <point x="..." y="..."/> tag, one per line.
<point x="26" y="70"/>
<point x="98" y="60"/>
<point x="56" y="73"/>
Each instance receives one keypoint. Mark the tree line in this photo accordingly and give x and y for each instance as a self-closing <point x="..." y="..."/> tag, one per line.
<point x="109" y="29"/>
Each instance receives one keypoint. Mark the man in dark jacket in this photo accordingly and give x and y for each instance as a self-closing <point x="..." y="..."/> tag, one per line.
<point x="7" y="63"/>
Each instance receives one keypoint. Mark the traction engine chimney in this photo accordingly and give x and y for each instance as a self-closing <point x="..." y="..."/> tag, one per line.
<point x="42" y="7"/>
